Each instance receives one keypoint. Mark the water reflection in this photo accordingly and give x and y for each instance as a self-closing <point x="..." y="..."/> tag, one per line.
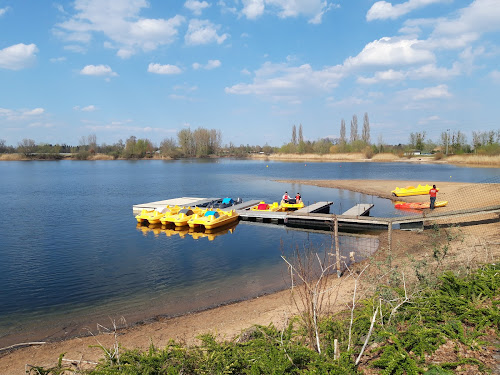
<point x="171" y="230"/>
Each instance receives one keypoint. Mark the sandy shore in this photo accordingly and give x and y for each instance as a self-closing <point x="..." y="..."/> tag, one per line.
<point x="229" y="321"/>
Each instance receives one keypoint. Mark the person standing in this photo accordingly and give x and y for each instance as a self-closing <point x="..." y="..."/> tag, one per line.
<point x="433" y="194"/>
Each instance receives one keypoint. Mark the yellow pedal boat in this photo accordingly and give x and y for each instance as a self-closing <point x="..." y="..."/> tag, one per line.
<point x="291" y="205"/>
<point x="154" y="216"/>
<point x="263" y="206"/>
<point x="181" y="218"/>
<point x="412" y="190"/>
<point x="213" y="219"/>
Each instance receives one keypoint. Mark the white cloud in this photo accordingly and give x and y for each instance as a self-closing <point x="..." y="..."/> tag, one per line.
<point x="383" y="10"/>
<point x="429" y="119"/>
<point x="120" y="22"/>
<point x="18" y="56"/>
<point x="284" y="82"/>
<point x="389" y="51"/>
<point x="385" y="76"/>
<point x="34" y="112"/>
<point x="253" y="9"/>
<point x="314" y="9"/>
<point x="98" y="70"/>
<point x="57" y="59"/>
<point x="3" y="11"/>
<point x="89" y="108"/>
<point x="345" y="102"/>
<point x="428" y="71"/>
<point x="436" y="92"/>
<point x="480" y="16"/>
<point x="196" y="6"/>
<point x="211" y="64"/>
<point x="164" y="69"/>
<point x="21" y="114"/>
<point x="495" y="75"/>
<point x="203" y="32"/>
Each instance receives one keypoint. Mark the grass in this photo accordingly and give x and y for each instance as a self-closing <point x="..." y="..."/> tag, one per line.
<point x="441" y="330"/>
<point x="12" y="157"/>
<point x="493" y="160"/>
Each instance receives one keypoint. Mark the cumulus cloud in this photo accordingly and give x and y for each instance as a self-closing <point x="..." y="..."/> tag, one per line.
<point x="314" y="9"/>
<point x="121" y="23"/>
<point x="3" y="11"/>
<point x="389" y="51"/>
<point x="89" y="108"/>
<point x="284" y="82"/>
<point x="196" y="6"/>
<point x="382" y="10"/>
<point x="253" y="9"/>
<point x="164" y="69"/>
<point x="211" y="64"/>
<point x="435" y="92"/>
<point x="428" y="71"/>
<point x="20" y="114"/>
<point x="203" y="32"/>
<point x="98" y="70"/>
<point x="18" y="56"/>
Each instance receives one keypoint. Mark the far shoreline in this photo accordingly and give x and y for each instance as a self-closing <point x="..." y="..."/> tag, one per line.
<point x="478" y="161"/>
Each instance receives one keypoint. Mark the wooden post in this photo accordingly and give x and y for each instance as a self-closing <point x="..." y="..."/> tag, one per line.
<point x="337" y="246"/>
<point x="389" y="238"/>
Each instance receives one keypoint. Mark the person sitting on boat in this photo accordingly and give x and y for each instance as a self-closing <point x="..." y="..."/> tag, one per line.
<point x="298" y="198"/>
<point x="286" y="197"/>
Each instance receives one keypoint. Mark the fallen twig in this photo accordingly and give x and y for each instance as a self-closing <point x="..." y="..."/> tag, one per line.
<point x="23" y="344"/>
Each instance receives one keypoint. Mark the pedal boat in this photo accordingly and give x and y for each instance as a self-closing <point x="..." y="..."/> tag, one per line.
<point x="291" y="205"/>
<point x="211" y="234"/>
<point x="419" y="205"/>
<point x="154" y="216"/>
<point x="213" y="219"/>
<point x="412" y="190"/>
<point x="263" y="206"/>
<point x="181" y="218"/>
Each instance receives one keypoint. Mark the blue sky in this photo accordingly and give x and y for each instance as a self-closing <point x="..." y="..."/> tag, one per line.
<point x="251" y="68"/>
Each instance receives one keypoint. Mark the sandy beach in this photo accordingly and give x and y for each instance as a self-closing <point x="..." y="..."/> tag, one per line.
<point x="227" y="322"/>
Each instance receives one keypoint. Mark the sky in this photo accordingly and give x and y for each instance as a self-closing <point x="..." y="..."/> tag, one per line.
<point x="249" y="68"/>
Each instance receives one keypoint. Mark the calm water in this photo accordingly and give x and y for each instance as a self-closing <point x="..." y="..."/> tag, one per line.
<point x="71" y="254"/>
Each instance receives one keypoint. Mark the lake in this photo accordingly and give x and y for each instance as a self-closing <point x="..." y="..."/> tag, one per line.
<point x="72" y="256"/>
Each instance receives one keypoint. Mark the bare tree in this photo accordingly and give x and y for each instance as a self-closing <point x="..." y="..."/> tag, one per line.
<point x="27" y="146"/>
<point x="354" y="129"/>
<point x="342" y="132"/>
<point x="186" y="142"/>
<point x="365" y="135"/>
<point x="301" y="138"/>
<point x="294" y="135"/>
<point x="92" y="143"/>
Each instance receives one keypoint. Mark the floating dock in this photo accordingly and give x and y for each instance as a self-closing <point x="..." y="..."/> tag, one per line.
<point x="317" y="216"/>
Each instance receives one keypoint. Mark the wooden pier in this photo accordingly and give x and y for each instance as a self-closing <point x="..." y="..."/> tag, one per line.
<point x="316" y="216"/>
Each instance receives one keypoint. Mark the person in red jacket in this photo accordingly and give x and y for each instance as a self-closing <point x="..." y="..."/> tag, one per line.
<point x="433" y="193"/>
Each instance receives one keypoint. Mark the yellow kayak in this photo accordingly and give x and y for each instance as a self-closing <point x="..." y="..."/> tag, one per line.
<point x="263" y="206"/>
<point x="213" y="219"/>
<point x="412" y="190"/>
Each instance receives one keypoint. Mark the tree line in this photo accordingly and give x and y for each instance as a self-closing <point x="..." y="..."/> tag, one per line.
<point x="203" y="142"/>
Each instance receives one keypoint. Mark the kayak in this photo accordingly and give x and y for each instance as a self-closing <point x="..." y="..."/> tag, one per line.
<point x="412" y="190"/>
<point x="263" y="206"/>
<point x="419" y="205"/>
<point x="213" y="219"/>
